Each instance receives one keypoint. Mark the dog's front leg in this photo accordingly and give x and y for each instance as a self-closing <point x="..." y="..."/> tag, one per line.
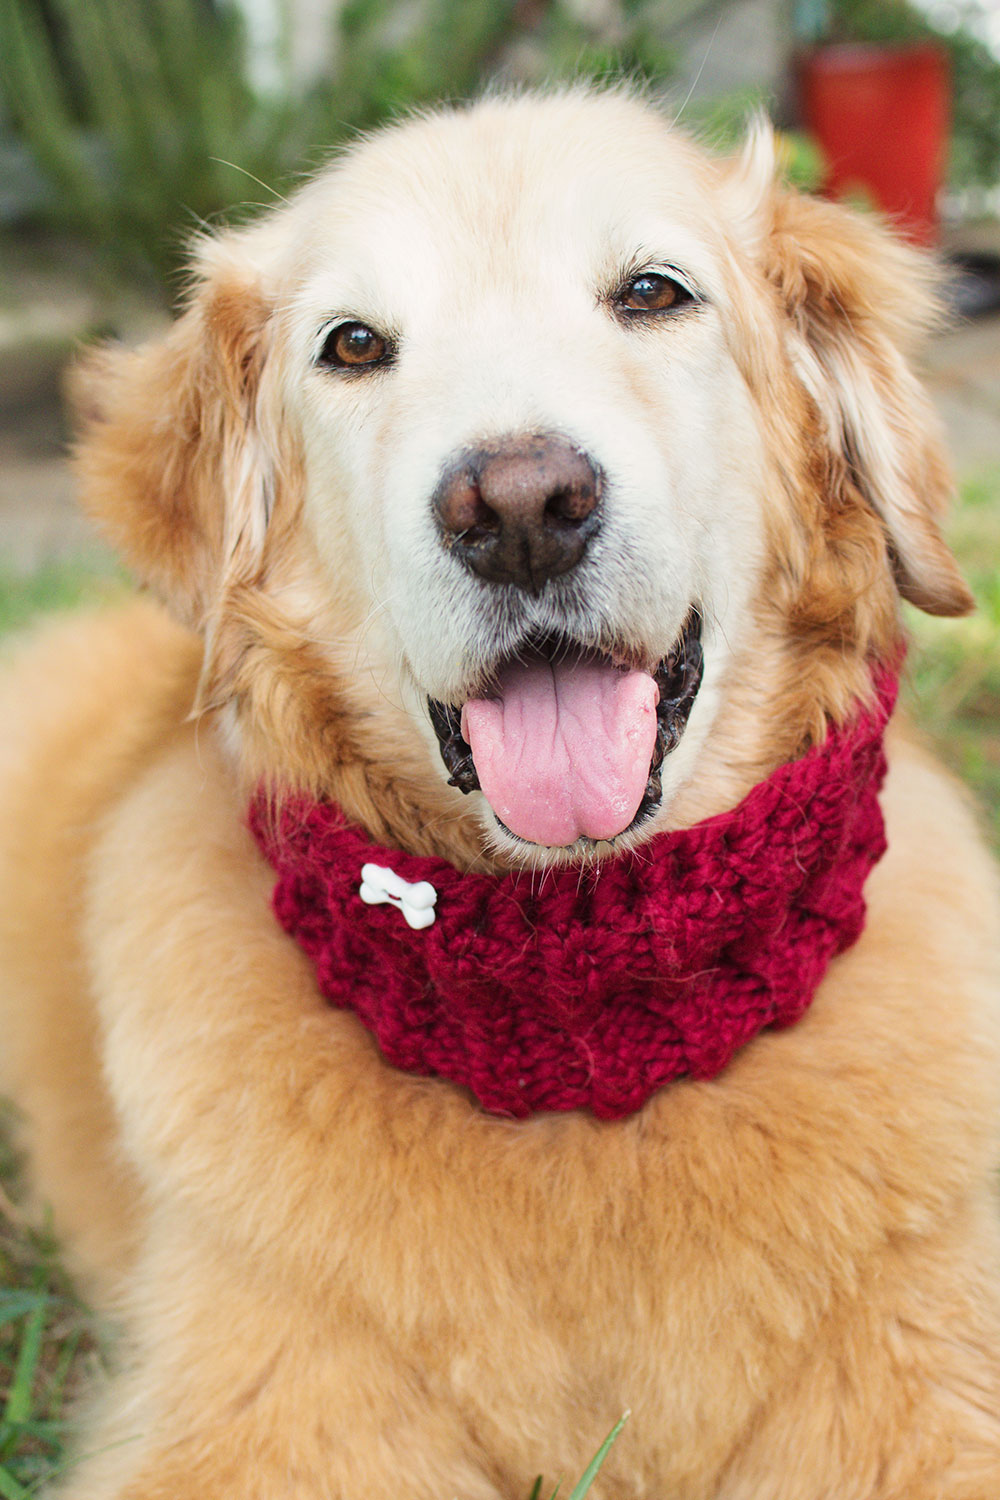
<point x="230" y="1390"/>
<point x="274" y="1336"/>
<point x="898" y="1396"/>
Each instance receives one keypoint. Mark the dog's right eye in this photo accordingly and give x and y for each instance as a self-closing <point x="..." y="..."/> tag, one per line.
<point x="652" y="292"/>
<point x="353" y="346"/>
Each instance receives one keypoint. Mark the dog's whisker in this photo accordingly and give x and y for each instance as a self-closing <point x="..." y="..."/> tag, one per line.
<point x="697" y="78"/>
<point x="279" y="197"/>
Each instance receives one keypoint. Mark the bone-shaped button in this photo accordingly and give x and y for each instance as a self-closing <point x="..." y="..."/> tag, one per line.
<point x="415" y="900"/>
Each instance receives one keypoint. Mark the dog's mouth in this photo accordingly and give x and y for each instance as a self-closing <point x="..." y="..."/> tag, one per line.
<point x="566" y="743"/>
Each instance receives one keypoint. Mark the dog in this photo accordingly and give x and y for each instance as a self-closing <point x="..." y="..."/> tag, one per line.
<point x="532" y="489"/>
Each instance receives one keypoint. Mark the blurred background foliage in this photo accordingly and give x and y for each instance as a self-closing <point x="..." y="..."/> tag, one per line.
<point x="137" y="120"/>
<point x="143" y="118"/>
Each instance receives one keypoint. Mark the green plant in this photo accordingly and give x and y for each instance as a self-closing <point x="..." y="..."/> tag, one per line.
<point x="46" y="1343"/>
<point x="590" y="1473"/>
<point x="142" y="115"/>
<point x="572" y="47"/>
<point x="57" y="585"/>
<point x="954" y="672"/>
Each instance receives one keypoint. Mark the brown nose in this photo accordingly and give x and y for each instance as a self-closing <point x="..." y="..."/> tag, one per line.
<point x="521" y="511"/>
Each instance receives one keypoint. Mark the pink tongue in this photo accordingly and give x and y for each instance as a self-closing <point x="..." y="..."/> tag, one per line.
<point x="563" y="750"/>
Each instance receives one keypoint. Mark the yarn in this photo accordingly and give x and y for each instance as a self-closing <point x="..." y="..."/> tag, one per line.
<point x="593" y="989"/>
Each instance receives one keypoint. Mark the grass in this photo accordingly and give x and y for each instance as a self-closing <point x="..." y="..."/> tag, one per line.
<point x="56" y="586"/>
<point x="954" y="666"/>
<point x="47" y="1343"/>
<point x="590" y="1473"/>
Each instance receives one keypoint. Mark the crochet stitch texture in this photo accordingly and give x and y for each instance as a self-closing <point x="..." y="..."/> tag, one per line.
<point x="593" y="991"/>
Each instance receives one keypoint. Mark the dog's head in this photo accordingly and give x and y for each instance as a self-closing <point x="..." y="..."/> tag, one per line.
<point x="531" y="452"/>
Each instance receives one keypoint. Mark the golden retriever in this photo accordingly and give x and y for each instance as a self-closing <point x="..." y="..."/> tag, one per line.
<point x="336" y="1278"/>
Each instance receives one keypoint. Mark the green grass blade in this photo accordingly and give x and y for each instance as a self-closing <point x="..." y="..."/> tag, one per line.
<point x="14" y="1304"/>
<point x="18" y="1407"/>
<point x="9" y="1487"/>
<point x="590" y="1473"/>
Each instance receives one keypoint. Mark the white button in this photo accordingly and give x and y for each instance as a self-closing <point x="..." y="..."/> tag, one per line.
<point x="416" y="901"/>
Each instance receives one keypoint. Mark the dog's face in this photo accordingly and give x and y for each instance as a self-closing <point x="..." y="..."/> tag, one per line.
<point x="511" y="372"/>
<point x="569" y="462"/>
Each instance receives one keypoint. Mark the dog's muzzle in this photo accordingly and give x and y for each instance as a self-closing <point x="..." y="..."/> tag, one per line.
<point x="568" y="744"/>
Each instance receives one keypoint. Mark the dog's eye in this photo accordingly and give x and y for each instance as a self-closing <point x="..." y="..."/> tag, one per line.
<point x="353" y="346"/>
<point x="651" y="292"/>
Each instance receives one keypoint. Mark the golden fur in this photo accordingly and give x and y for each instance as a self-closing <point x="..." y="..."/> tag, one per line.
<point x="336" y="1280"/>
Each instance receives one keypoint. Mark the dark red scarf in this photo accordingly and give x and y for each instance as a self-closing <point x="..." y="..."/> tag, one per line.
<point x="592" y="991"/>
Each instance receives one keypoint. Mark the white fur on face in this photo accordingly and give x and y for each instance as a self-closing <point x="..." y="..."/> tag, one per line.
<point x="487" y="244"/>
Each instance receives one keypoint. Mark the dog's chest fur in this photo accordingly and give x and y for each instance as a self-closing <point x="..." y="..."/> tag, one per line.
<point x="694" y="1229"/>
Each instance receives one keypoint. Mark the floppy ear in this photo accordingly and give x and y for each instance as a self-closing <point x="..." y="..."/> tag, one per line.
<point x="859" y="302"/>
<point x="172" y="457"/>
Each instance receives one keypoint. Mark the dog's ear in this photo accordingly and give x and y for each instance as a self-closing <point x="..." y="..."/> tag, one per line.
<point x="173" y="458"/>
<point x="859" y="302"/>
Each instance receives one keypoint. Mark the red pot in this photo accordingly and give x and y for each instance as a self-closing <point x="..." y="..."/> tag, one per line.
<point x="881" y="116"/>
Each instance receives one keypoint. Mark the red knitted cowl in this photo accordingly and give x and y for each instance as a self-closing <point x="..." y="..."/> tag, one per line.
<point x="591" y="991"/>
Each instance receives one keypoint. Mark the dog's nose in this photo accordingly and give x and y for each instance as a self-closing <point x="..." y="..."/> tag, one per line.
<point x="521" y="511"/>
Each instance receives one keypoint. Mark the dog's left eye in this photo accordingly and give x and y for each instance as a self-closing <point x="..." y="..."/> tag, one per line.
<point x="652" y="292"/>
<point x="353" y="346"/>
